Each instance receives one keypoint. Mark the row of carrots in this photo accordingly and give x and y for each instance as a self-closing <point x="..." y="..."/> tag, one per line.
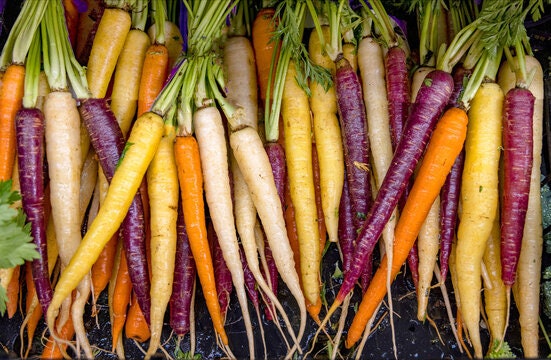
<point x="156" y="142"/>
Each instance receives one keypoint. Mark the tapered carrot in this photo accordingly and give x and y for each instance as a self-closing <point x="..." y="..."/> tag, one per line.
<point x="445" y="144"/>
<point x="136" y="327"/>
<point x="298" y="151"/>
<point x="162" y="184"/>
<point x="11" y="96"/>
<point x="55" y="349"/>
<point x="122" y="291"/>
<point x="186" y="152"/>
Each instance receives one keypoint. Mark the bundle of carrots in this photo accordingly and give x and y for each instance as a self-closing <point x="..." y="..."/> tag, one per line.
<point x="163" y="147"/>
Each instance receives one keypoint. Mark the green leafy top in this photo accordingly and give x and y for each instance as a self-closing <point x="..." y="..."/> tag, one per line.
<point x="22" y="33"/>
<point x="16" y="244"/>
<point x="291" y="15"/>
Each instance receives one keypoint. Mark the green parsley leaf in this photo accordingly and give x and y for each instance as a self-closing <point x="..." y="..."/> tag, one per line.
<point x="16" y="244"/>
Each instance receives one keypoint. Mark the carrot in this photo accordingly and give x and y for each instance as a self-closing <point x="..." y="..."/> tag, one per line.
<point x="11" y="95"/>
<point x="266" y="50"/>
<point x="136" y="326"/>
<point x="444" y="146"/>
<point x="54" y="349"/>
<point x="255" y="167"/>
<point x="174" y="40"/>
<point x="71" y="18"/>
<point x="109" y="39"/>
<point x="245" y="219"/>
<point x="224" y="285"/>
<point x="155" y="67"/>
<point x="296" y="118"/>
<point x="154" y="73"/>
<point x="33" y="311"/>
<point x="328" y="140"/>
<point x="479" y="195"/>
<point x="184" y="280"/>
<point x="190" y="176"/>
<point x="162" y="184"/>
<point x="527" y="285"/>
<point x="128" y="71"/>
<point x="396" y="180"/>
<point x="12" y="292"/>
<point x="495" y="303"/>
<point x="144" y="139"/>
<point x="122" y="290"/>
<point x="207" y="122"/>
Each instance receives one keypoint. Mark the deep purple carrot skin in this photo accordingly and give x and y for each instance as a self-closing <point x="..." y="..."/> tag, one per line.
<point x="517" y="167"/>
<point x="224" y="284"/>
<point x="449" y="203"/>
<point x="347" y="234"/>
<point x="353" y="122"/>
<point x="108" y="142"/>
<point x="398" y="92"/>
<point x="184" y="280"/>
<point x="276" y="155"/>
<point x="250" y="282"/>
<point x="95" y="15"/>
<point x="30" y="155"/>
<point x="367" y="274"/>
<point x="460" y="75"/>
<point x="274" y="279"/>
<point x="413" y="264"/>
<point x="431" y="100"/>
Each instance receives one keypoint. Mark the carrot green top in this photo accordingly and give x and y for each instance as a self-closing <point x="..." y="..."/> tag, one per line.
<point x="32" y="72"/>
<point x="21" y="34"/>
<point x="60" y="63"/>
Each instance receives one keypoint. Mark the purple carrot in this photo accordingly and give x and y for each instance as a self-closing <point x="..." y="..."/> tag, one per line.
<point x="432" y="98"/>
<point x="184" y="280"/>
<point x="30" y="158"/>
<point x="353" y="122"/>
<point x="274" y="279"/>
<point x="276" y="155"/>
<point x="347" y="234"/>
<point x="95" y="15"/>
<point x="108" y="142"/>
<point x="398" y="92"/>
<point x="449" y="194"/>
<point x="449" y="202"/>
<point x="517" y="168"/>
<point x="413" y="264"/>
<point x="250" y="282"/>
<point x="224" y="284"/>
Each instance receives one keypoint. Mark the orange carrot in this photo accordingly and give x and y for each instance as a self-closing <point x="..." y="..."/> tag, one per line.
<point x="102" y="268"/>
<point x="154" y="74"/>
<point x="11" y="97"/>
<point x="136" y="327"/>
<point x="12" y="292"/>
<point x="71" y="17"/>
<point x="264" y="48"/>
<point x="121" y="298"/>
<point x="55" y="350"/>
<point x="445" y="144"/>
<point x="190" y="176"/>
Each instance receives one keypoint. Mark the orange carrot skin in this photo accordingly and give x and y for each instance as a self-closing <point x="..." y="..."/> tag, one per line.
<point x="186" y="152"/>
<point x="154" y="74"/>
<point x="445" y="145"/>
<point x="263" y="26"/>
<point x="11" y="97"/>
<point x="13" y="292"/>
<point x="122" y="294"/>
<point x="52" y="350"/>
<point x="136" y="327"/>
<point x="102" y="268"/>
